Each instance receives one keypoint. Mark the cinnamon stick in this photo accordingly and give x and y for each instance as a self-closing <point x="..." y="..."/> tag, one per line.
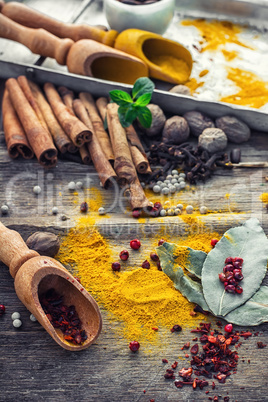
<point x="24" y="84"/>
<point x="101" y="104"/>
<point x="85" y="155"/>
<point x="38" y="137"/>
<point x="103" y="167"/>
<point x="137" y="151"/>
<point x="62" y="141"/>
<point x="15" y="136"/>
<point x="97" y="122"/>
<point x="136" y="196"/>
<point x="123" y="164"/>
<point x="73" y="127"/>
<point x="67" y="96"/>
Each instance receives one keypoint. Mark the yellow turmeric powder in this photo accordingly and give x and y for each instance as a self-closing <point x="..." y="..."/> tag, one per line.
<point x="264" y="198"/>
<point x="216" y="33"/>
<point x="253" y="91"/>
<point x="141" y="299"/>
<point x="177" y="68"/>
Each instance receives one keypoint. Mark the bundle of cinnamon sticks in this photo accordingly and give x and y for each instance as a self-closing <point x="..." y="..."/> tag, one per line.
<point x="42" y="121"/>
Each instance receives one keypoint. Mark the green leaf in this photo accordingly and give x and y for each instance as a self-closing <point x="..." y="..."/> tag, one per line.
<point x="143" y="100"/>
<point x="249" y="242"/>
<point x="192" y="290"/>
<point x="120" y="97"/>
<point x="131" y="114"/>
<point x="142" y="86"/>
<point x="194" y="259"/>
<point x="144" y="116"/>
<point x="253" y="312"/>
<point x="122" y="116"/>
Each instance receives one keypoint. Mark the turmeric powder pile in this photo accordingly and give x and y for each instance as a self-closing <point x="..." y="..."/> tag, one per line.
<point x="143" y="300"/>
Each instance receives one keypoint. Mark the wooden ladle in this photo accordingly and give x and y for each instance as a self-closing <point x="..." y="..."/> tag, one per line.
<point x="149" y="47"/>
<point x="86" y="56"/>
<point x="34" y="275"/>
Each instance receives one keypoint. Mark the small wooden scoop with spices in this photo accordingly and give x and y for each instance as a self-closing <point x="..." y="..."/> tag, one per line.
<point x="57" y="300"/>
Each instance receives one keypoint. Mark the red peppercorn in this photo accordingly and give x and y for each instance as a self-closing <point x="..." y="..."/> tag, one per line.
<point x="116" y="266"/>
<point x="78" y="279"/>
<point x="124" y="254"/>
<point x="145" y="264"/>
<point x="158" y="205"/>
<point x="213" y="242"/>
<point x="84" y="207"/>
<point x="2" y="309"/>
<point x="154" y="256"/>
<point x="228" y="328"/>
<point x="229" y="260"/>
<point x="222" y="277"/>
<point x="239" y="289"/>
<point x="159" y="266"/>
<point x="161" y="241"/>
<point x="135" y="244"/>
<point x="134" y="346"/>
<point x="238" y="259"/>
<point x="136" y="213"/>
<point x="154" y="212"/>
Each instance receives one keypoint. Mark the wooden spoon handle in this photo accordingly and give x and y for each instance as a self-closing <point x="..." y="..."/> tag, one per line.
<point x="38" y="41"/>
<point x="34" y="19"/>
<point x="13" y="251"/>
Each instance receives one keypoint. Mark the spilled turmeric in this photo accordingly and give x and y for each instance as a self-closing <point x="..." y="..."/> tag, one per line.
<point x="140" y="299"/>
<point x="177" y="68"/>
<point x="264" y="198"/>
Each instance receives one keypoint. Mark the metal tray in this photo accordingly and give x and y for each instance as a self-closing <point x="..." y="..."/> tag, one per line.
<point x="253" y="13"/>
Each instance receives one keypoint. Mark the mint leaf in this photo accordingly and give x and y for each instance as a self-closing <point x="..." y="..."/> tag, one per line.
<point x="143" y="100"/>
<point x="120" y="97"/>
<point x="144" y="116"/>
<point x="122" y="110"/>
<point x="131" y="114"/>
<point x="142" y="86"/>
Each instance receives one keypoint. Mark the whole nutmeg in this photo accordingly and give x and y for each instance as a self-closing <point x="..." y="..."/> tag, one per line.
<point x="45" y="243"/>
<point x="213" y="140"/>
<point x="158" y="121"/>
<point x="236" y="130"/>
<point x="198" y="122"/>
<point x="180" y="89"/>
<point x="176" y="130"/>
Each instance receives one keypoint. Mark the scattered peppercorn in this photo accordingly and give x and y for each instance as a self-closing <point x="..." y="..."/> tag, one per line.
<point x="154" y="257"/>
<point x="116" y="266"/>
<point x="228" y="328"/>
<point x="136" y="213"/>
<point x="124" y="254"/>
<point x="161" y="241"/>
<point x="37" y="190"/>
<point x="135" y="244"/>
<point x="134" y="346"/>
<point x="261" y="345"/>
<point x="232" y="274"/>
<point x="145" y="264"/>
<point x="176" y="328"/>
<point x="15" y="316"/>
<point x="2" y="309"/>
<point x="213" y="242"/>
<point x="4" y="209"/>
<point x="17" y="323"/>
<point x="84" y="207"/>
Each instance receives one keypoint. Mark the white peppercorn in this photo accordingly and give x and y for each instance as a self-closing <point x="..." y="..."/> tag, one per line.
<point x="55" y="210"/>
<point x="177" y="211"/>
<point x="173" y="181"/>
<point x="174" y="172"/>
<point x="32" y="318"/>
<point x="172" y="189"/>
<point x="163" y="212"/>
<point x="170" y="212"/>
<point x="189" y="209"/>
<point x="101" y="211"/>
<point x="203" y="210"/>
<point x="79" y="185"/>
<point x="183" y="175"/>
<point x="37" y="190"/>
<point x="165" y="190"/>
<point x="71" y="186"/>
<point x="177" y="186"/>
<point x="182" y="184"/>
<point x="180" y="206"/>
<point x="156" y="189"/>
<point x="15" y="316"/>
<point x="17" y="323"/>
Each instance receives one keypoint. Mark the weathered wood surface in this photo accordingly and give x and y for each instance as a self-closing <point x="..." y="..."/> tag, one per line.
<point x="32" y="366"/>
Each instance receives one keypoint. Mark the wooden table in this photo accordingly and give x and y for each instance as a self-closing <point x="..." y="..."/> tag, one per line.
<point x="35" y="368"/>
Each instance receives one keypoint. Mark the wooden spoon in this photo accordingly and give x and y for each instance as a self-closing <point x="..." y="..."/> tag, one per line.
<point x="34" y="275"/>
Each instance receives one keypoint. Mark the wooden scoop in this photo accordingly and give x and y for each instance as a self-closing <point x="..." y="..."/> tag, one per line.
<point x="166" y="59"/>
<point x="86" y="57"/>
<point x="34" y="275"/>
<point x="33" y="19"/>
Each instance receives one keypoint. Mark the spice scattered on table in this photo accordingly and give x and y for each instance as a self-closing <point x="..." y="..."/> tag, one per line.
<point x="17" y="323"/>
<point x="2" y="309"/>
<point x="15" y="315"/>
<point x="134" y="346"/>
<point x="4" y="209"/>
<point x="37" y="190"/>
<point x="135" y="244"/>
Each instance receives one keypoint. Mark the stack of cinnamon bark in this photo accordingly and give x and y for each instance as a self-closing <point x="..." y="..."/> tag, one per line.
<point x="42" y="121"/>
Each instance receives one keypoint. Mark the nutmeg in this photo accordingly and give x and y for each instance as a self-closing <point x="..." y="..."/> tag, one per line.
<point x="198" y="122"/>
<point x="176" y="130"/>
<point x="180" y="89"/>
<point x="213" y="140"/>
<point x="158" y="121"/>
<point x="45" y="243"/>
<point x="236" y="130"/>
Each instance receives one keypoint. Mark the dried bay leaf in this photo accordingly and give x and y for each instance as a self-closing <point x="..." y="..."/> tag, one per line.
<point x="249" y="242"/>
<point x="190" y="289"/>
<point x="187" y="257"/>
<point x="253" y="312"/>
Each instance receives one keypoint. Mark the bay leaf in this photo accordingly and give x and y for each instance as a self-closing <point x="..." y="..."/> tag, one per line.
<point x="247" y="241"/>
<point x="194" y="259"/>
<point x="253" y="312"/>
<point x="190" y="289"/>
